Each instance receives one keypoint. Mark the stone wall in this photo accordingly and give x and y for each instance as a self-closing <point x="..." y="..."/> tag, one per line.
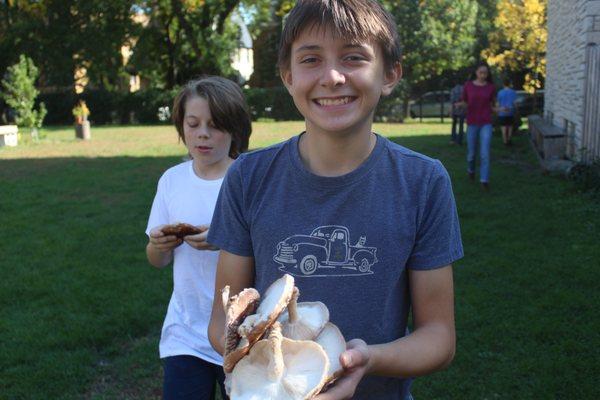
<point x="573" y="34"/>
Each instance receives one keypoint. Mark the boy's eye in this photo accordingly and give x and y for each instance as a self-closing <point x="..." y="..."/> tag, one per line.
<point x="355" y="57"/>
<point x="192" y="125"/>
<point x="308" y="60"/>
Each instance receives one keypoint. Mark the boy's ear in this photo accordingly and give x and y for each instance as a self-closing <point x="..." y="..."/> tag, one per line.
<point x="391" y="78"/>
<point x="286" y="77"/>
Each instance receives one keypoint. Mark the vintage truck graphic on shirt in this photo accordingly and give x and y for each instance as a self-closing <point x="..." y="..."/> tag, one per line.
<point x="326" y="250"/>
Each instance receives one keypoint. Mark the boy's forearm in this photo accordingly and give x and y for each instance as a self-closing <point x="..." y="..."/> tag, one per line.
<point x="216" y="329"/>
<point x="426" y="350"/>
<point x="158" y="258"/>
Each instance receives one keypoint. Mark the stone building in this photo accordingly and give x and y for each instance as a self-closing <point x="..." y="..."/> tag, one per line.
<point x="572" y="92"/>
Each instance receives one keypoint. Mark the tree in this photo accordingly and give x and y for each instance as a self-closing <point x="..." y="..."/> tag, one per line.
<point x="186" y="38"/>
<point x="438" y="39"/>
<point x="518" y="42"/>
<point x="267" y="26"/>
<point x="63" y="36"/>
<point x="20" y="94"/>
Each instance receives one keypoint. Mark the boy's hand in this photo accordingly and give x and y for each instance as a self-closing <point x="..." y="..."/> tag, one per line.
<point x="163" y="243"/>
<point x="198" y="241"/>
<point x="355" y="361"/>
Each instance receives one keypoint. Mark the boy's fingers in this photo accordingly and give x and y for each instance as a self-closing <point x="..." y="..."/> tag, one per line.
<point x="203" y="227"/>
<point x="156" y="233"/>
<point x="356" y="354"/>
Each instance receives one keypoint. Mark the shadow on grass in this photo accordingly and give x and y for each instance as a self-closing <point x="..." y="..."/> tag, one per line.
<point x="82" y="309"/>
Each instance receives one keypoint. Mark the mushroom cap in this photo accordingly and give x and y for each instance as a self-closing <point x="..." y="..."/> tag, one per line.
<point x="274" y="301"/>
<point x="279" y="368"/>
<point x="310" y="320"/>
<point x="237" y="308"/>
<point x="333" y="343"/>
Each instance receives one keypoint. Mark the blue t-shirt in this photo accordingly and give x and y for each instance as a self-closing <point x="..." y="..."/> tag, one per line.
<point x="348" y="240"/>
<point x="506" y="99"/>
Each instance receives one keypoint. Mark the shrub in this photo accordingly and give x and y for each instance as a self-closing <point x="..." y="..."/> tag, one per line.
<point x="20" y="93"/>
<point x="273" y="103"/>
<point x="586" y="176"/>
<point x="391" y="108"/>
<point x="143" y="106"/>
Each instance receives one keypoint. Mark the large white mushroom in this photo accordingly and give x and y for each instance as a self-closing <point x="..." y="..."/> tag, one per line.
<point x="279" y="368"/>
<point x="334" y="344"/>
<point x="236" y="308"/>
<point x="274" y="301"/>
<point x="303" y="321"/>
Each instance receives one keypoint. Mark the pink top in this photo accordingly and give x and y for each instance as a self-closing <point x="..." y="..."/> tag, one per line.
<point x="480" y="100"/>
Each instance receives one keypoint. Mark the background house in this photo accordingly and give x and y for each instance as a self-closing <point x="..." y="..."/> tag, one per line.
<point x="572" y="98"/>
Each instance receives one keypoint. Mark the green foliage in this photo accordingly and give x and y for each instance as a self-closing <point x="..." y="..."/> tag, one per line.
<point x="586" y="177"/>
<point x="273" y="103"/>
<point x="185" y="39"/>
<point x="20" y="93"/>
<point x="66" y="35"/>
<point x="436" y="36"/>
<point x="518" y="42"/>
<point x="391" y="108"/>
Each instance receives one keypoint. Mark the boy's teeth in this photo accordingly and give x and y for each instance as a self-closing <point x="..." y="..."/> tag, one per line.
<point x="334" y="102"/>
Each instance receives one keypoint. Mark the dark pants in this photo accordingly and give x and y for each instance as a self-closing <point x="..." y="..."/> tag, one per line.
<point x="460" y="121"/>
<point x="191" y="378"/>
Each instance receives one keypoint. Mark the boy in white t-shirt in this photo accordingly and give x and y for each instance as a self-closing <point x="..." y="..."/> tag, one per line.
<point x="212" y="119"/>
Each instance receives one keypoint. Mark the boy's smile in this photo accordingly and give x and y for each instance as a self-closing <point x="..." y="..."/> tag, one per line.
<point x="335" y="82"/>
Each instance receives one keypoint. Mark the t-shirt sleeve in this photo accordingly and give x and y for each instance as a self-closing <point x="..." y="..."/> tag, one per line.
<point x="159" y="213"/>
<point x="229" y="229"/>
<point x="437" y="242"/>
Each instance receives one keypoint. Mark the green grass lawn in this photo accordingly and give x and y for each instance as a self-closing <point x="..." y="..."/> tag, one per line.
<point x="81" y="310"/>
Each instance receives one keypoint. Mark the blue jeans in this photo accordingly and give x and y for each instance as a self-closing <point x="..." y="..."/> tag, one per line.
<point x="483" y="135"/>
<point x="191" y="378"/>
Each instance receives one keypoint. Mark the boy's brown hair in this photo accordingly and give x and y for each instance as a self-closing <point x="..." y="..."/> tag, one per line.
<point x="227" y="106"/>
<point x="363" y="20"/>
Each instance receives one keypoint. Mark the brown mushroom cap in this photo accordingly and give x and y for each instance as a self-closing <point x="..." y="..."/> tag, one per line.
<point x="180" y="230"/>
<point x="274" y="301"/>
<point x="278" y="368"/>
<point x="236" y="310"/>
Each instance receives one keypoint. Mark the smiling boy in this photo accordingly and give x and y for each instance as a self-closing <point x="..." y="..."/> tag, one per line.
<point x="365" y="225"/>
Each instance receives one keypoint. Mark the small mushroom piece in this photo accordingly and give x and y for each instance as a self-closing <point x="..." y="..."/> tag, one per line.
<point x="303" y="321"/>
<point x="236" y="309"/>
<point x="334" y="344"/>
<point x="279" y="368"/>
<point x="274" y="301"/>
<point x="180" y="230"/>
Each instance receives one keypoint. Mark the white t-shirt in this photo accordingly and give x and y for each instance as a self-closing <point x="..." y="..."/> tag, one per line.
<point x="184" y="197"/>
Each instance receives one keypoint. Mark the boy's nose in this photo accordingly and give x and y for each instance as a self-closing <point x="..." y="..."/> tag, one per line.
<point x="332" y="76"/>
<point x="203" y="131"/>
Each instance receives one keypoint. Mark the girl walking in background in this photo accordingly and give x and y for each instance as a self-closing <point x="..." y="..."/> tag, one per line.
<point x="212" y="120"/>
<point x="479" y="98"/>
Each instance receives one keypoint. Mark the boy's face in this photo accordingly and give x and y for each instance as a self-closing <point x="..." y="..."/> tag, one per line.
<point x="208" y="146"/>
<point x="336" y="83"/>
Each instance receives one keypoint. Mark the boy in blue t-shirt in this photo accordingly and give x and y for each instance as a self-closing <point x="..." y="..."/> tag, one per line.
<point x="366" y="226"/>
<point x="506" y="114"/>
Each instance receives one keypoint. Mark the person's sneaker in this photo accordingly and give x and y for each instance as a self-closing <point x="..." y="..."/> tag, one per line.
<point x="471" y="176"/>
<point x="485" y="186"/>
